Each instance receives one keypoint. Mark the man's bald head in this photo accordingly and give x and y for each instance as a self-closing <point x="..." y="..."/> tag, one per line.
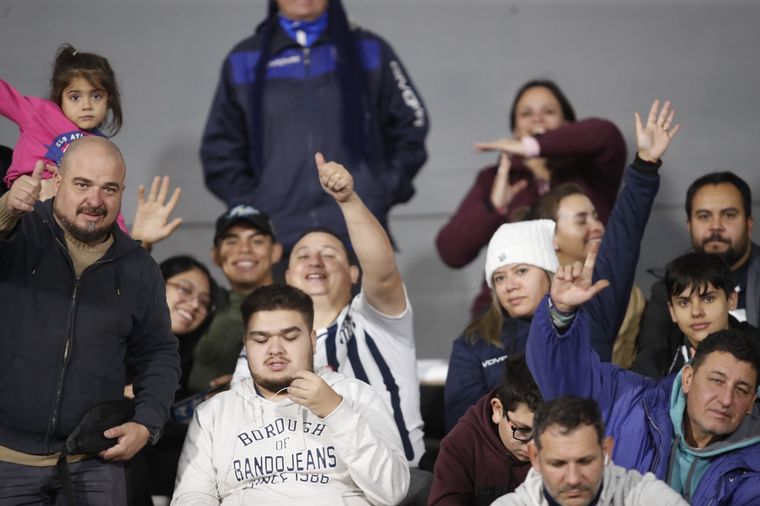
<point x="90" y="183"/>
<point x="89" y="145"/>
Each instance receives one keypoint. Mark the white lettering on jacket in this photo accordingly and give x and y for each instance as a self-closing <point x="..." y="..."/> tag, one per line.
<point x="493" y="361"/>
<point x="285" y="60"/>
<point x="408" y="94"/>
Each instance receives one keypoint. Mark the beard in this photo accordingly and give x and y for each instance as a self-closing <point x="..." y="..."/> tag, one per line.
<point x="276" y="384"/>
<point x="88" y="234"/>
<point x="272" y="385"/>
<point x="733" y="253"/>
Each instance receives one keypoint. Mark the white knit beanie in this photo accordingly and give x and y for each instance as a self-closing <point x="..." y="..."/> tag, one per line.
<point x="524" y="242"/>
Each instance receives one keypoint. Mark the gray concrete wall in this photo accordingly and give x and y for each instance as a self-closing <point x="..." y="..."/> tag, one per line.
<point x="467" y="57"/>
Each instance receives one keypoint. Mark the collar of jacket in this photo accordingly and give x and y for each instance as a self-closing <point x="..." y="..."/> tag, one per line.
<point x="122" y="243"/>
<point x="312" y="29"/>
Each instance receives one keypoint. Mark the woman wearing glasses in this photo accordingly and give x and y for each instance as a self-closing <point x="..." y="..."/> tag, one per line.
<point x="190" y="297"/>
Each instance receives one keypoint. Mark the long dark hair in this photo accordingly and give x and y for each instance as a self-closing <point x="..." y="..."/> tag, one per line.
<point x="357" y="113"/>
<point x="70" y="64"/>
<point x="568" y="113"/>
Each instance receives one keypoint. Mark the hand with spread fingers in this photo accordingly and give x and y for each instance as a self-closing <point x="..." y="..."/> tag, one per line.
<point x="310" y="391"/>
<point x="335" y="179"/>
<point x="502" y="192"/>
<point x="654" y="138"/>
<point x="572" y="284"/>
<point x="131" y="437"/>
<point x="26" y="191"/>
<point x="151" y="223"/>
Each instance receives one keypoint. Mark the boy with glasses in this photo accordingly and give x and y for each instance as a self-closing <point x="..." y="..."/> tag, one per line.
<point x="486" y="453"/>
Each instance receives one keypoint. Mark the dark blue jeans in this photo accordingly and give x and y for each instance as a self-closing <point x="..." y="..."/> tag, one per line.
<point x="95" y="482"/>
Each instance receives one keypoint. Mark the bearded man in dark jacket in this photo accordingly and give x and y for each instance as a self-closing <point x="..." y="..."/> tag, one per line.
<point x="81" y="304"/>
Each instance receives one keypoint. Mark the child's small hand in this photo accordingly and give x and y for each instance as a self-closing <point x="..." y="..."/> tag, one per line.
<point x="25" y="191"/>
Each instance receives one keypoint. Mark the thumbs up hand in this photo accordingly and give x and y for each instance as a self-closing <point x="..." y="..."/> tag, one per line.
<point x="25" y="191"/>
<point x="334" y="178"/>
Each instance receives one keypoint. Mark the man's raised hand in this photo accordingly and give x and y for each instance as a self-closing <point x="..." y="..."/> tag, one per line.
<point x="152" y="221"/>
<point x="572" y="284"/>
<point x="25" y="191"/>
<point x="335" y="179"/>
<point x="654" y="138"/>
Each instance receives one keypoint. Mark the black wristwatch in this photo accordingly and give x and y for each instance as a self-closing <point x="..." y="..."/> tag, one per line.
<point x="155" y="434"/>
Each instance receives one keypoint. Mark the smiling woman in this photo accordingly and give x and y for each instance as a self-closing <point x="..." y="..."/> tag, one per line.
<point x="190" y="291"/>
<point x="548" y="147"/>
<point x="578" y="228"/>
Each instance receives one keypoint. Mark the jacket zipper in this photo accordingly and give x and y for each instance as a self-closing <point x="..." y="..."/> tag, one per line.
<point x="656" y="460"/>
<point x="67" y="344"/>
<point x="305" y="87"/>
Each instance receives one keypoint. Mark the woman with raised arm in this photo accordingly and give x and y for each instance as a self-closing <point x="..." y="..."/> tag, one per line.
<point x="548" y="147"/>
<point x="521" y="261"/>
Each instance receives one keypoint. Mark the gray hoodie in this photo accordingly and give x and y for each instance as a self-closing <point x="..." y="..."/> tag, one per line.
<point x="621" y="487"/>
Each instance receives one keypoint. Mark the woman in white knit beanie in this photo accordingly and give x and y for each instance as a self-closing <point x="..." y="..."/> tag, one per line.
<point x="519" y="266"/>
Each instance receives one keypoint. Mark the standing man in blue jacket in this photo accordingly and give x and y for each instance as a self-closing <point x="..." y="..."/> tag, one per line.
<point x="309" y="81"/>
<point x="81" y="304"/>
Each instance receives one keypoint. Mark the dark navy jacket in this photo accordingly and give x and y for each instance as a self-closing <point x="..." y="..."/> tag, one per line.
<point x="66" y="343"/>
<point x="636" y="410"/>
<point x="302" y="115"/>
<point x="473" y="369"/>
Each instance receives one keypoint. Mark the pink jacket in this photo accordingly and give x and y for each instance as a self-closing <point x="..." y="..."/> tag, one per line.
<point x="45" y="133"/>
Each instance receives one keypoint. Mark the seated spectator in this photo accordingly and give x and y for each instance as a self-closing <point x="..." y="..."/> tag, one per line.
<point x="697" y="429"/>
<point x="522" y="255"/>
<point x="519" y="266"/>
<point x="245" y="249"/>
<point x="289" y="435"/>
<point x="549" y="147"/>
<point x="578" y="227"/>
<point x="190" y="293"/>
<point x="719" y="220"/>
<point x="571" y="464"/>
<point x="369" y="336"/>
<point x="700" y="302"/>
<point x="486" y="455"/>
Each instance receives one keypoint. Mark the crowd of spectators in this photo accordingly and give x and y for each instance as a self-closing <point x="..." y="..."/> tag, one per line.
<point x="294" y="381"/>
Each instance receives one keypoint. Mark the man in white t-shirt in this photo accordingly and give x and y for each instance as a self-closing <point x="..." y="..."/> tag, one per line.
<point x="369" y="336"/>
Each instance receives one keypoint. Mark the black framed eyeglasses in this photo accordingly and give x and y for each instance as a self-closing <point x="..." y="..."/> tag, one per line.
<point x="519" y="433"/>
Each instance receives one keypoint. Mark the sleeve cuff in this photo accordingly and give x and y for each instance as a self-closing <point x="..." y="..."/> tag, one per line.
<point x="645" y="166"/>
<point x="7" y="220"/>
<point x="530" y="146"/>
